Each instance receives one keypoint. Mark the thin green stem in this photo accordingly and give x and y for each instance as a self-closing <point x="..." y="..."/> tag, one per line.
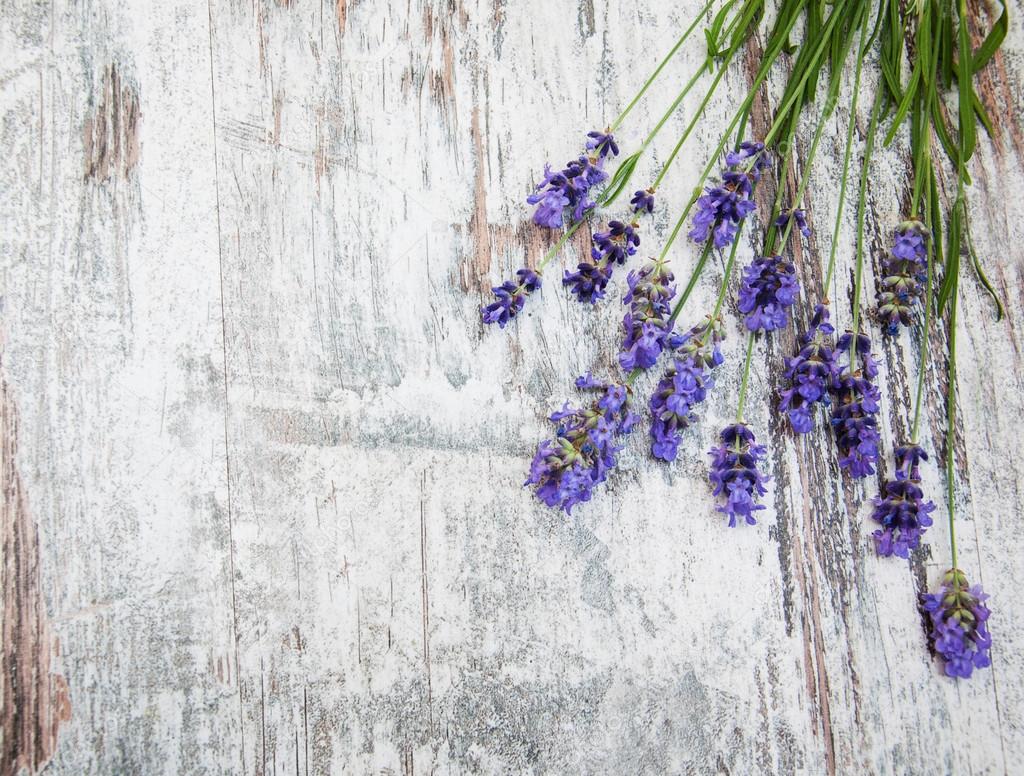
<point x="678" y="308"/>
<point x="915" y="427"/>
<point x="672" y="109"/>
<point x="858" y="277"/>
<point x="723" y="287"/>
<point x="657" y="71"/>
<point x="562" y="241"/>
<point x="951" y="423"/>
<point x="844" y="177"/>
<point x="742" y="111"/>
<point x="780" y="189"/>
<point x="700" y="110"/>
<point x="746" y="378"/>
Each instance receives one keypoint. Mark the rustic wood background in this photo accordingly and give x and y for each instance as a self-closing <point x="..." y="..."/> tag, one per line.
<point x="262" y="464"/>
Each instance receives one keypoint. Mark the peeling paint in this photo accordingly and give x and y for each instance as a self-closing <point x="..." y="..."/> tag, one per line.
<point x="36" y="700"/>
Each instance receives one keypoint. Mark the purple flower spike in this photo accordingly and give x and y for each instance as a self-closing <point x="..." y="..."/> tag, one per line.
<point x="769" y="288"/>
<point x="646" y="323"/>
<point x="801" y="221"/>
<point x="734" y="473"/>
<point x="856" y="402"/>
<point x="643" y="201"/>
<point x="904" y="274"/>
<point x="959" y="624"/>
<point x="901" y="509"/>
<point x="722" y="208"/>
<point x="511" y="297"/>
<point x="567" y="468"/>
<point x="684" y="385"/>
<point x="810" y="375"/>
<point x="570" y="187"/>
<point x="591" y="278"/>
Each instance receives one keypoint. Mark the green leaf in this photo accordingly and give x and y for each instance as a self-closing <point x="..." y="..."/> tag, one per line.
<point x="980" y="272"/>
<point x="965" y="109"/>
<point x="952" y="257"/>
<point x="992" y="41"/>
<point x="983" y="116"/>
<point x="904" y="106"/>
<point x="945" y="52"/>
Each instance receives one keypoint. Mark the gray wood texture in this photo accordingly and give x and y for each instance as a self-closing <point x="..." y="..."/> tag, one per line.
<point x="262" y="464"/>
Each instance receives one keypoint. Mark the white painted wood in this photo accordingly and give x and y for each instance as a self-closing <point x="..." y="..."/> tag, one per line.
<point x="271" y="462"/>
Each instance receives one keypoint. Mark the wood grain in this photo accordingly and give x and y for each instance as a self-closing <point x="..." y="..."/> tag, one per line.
<point x="262" y="463"/>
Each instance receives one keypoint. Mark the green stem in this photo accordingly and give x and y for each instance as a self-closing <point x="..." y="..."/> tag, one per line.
<point x="858" y="277"/>
<point x="780" y="189"/>
<point x="657" y="71"/>
<point x="668" y="114"/>
<point x="771" y="56"/>
<point x="678" y="308"/>
<point x="699" y="112"/>
<point x="951" y="422"/>
<point x="724" y="286"/>
<point x="844" y="177"/>
<point x="746" y="378"/>
<point x="562" y="241"/>
<point x="923" y="353"/>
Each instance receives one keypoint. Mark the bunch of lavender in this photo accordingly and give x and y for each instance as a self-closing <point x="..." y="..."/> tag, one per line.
<point x="612" y="247"/>
<point x="856" y="402"/>
<point x="569" y="188"/>
<point x="959" y="624"/>
<point x="769" y="288"/>
<point x="685" y="384"/>
<point x="510" y="297"/>
<point x="903" y="276"/>
<point x="647" y="322"/>
<point x="722" y="208"/>
<point x="734" y="473"/>
<point x="901" y="509"/>
<point x="810" y="375"/>
<point x="567" y="467"/>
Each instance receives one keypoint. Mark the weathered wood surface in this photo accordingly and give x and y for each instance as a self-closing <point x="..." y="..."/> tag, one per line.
<point x="262" y="464"/>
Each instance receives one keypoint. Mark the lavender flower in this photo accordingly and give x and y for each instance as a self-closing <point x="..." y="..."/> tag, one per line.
<point x="903" y="276"/>
<point x="722" y="208"/>
<point x="959" y="624"/>
<point x="591" y="278"/>
<point x="570" y="187"/>
<point x="901" y="509"/>
<point x="853" y="411"/>
<point x="685" y="384"/>
<point x="621" y="240"/>
<point x="579" y="457"/>
<point x="643" y="201"/>
<point x="602" y="143"/>
<point x="769" y="288"/>
<point x="801" y="221"/>
<point x="735" y="475"/>
<point x="646" y="323"/>
<point x="511" y="297"/>
<point x="811" y="374"/>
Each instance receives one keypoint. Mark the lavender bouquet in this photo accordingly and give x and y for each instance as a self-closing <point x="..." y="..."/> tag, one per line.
<point x="926" y="67"/>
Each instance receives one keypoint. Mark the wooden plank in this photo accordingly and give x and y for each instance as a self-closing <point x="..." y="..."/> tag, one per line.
<point x="262" y="463"/>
